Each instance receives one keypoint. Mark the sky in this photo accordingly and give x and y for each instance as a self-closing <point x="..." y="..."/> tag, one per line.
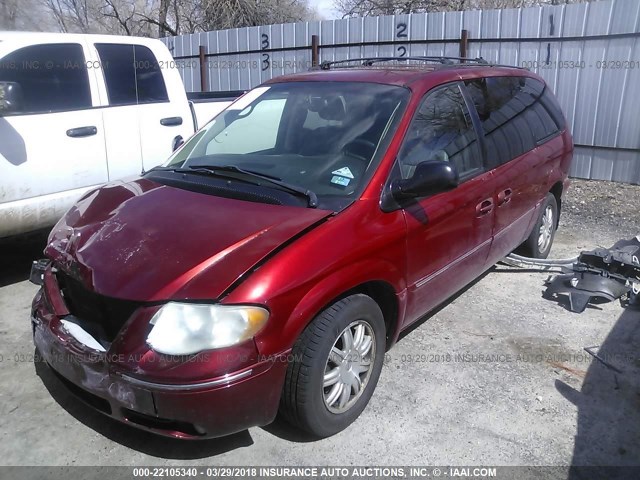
<point x="325" y="8"/>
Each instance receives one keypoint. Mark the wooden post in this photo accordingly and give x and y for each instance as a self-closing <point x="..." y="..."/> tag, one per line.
<point x="464" y="43"/>
<point x="315" y="51"/>
<point x="204" y="85"/>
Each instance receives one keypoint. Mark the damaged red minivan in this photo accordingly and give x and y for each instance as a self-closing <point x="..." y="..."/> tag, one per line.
<point x="273" y="259"/>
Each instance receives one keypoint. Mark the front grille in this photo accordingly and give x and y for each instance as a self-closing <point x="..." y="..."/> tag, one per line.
<point x="101" y="316"/>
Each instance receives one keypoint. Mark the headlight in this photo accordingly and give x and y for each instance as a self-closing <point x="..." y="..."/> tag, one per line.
<point x="186" y="328"/>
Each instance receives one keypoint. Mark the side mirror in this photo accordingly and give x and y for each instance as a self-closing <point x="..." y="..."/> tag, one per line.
<point x="177" y="143"/>
<point x="429" y="178"/>
<point x="11" y="99"/>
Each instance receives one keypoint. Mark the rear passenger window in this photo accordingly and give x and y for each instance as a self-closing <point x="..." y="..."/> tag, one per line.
<point x="442" y="131"/>
<point x="132" y="74"/>
<point x="517" y="114"/>
<point x="52" y="78"/>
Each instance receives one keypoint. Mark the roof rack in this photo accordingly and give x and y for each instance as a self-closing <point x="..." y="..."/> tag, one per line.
<point x="447" y="61"/>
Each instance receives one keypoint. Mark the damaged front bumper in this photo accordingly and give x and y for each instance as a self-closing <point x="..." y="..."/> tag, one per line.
<point x="207" y="407"/>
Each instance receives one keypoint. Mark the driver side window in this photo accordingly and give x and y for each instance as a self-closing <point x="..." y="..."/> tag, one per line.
<point x="442" y="130"/>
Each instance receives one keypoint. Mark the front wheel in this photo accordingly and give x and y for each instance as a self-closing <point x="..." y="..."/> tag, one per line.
<point x="335" y="368"/>
<point x="538" y="245"/>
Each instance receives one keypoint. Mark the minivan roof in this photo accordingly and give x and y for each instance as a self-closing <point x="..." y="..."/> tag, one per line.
<point x="404" y="76"/>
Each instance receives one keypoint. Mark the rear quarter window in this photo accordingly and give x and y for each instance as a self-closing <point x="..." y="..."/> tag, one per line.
<point x="132" y="74"/>
<point x="516" y="113"/>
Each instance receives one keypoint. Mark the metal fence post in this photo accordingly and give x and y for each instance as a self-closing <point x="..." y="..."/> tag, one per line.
<point x="315" y="50"/>
<point x="464" y="43"/>
<point x="204" y="86"/>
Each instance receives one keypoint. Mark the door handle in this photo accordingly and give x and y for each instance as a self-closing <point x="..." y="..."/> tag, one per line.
<point x="485" y="207"/>
<point x="82" y="132"/>
<point x="504" y="197"/>
<point x="171" y="121"/>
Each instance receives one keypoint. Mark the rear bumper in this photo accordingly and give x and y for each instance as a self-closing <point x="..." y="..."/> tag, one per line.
<point x="209" y="408"/>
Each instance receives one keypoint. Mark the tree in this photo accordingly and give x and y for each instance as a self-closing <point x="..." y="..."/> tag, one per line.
<point x="23" y="15"/>
<point x="165" y="17"/>
<point x="360" y="8"/>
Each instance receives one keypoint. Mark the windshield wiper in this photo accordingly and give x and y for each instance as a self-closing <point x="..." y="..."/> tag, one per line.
<point x="312" y="198"/>
<point x="224" y="170"/>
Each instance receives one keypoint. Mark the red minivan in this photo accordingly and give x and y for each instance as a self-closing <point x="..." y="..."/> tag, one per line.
<point x="269" y="264"/>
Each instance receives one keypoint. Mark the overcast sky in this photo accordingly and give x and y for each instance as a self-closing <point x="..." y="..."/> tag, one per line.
<point x="325" y="7"/>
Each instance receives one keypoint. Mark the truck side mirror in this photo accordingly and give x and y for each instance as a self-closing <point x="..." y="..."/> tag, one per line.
<point x="11" y="99"/>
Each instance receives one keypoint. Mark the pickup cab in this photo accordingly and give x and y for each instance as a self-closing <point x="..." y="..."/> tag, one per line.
<point x="77" y="111"/>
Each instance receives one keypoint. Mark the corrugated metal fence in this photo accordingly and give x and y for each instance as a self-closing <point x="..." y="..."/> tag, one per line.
<point x="589" y="53"/>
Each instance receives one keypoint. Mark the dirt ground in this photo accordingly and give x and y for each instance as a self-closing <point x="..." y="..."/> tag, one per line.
<point x="496" y="376"/>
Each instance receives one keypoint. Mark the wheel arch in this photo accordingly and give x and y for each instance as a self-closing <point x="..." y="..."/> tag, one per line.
<point x="385" y="296"/>
<point x="380" y="281"/>
<point x="557" y="190"/>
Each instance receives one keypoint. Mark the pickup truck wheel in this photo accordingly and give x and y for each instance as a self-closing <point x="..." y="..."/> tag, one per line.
<point x="538" y="245"/>
<point x="335" y="368"/>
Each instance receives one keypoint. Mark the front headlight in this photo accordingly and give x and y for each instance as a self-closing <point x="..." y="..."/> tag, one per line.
<point x="186" y="328"/>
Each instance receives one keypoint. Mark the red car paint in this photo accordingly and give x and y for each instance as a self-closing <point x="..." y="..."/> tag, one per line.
<point x="128" y="241"/>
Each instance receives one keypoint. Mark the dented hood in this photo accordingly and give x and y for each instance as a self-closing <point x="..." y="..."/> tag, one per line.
<point x="149" y="242"/>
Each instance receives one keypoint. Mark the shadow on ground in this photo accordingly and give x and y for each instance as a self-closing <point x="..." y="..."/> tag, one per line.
<point x="16" y="255"/>
<point x="139" y="440"/>
<point x="608" y="432"/>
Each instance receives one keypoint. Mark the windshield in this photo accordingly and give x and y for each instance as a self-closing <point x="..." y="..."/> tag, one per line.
<point x="325" y="137"/>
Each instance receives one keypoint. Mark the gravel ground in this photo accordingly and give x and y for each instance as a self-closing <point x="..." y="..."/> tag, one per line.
<point x="497" y="376"/>
<point x="612" y="208"/>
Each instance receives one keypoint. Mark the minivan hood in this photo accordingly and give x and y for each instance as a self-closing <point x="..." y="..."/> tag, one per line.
<point x="149" y="242"/>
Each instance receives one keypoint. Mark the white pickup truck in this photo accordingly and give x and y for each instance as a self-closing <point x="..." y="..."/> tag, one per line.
<point x="77" y="111"/>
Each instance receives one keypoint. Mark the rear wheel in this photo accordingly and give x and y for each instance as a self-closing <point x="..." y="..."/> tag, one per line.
<point x="538" y="245"/>
<point x="335" y="368"/>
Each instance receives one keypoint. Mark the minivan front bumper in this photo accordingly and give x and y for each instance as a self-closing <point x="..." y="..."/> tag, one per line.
<point x="204" y="409"/>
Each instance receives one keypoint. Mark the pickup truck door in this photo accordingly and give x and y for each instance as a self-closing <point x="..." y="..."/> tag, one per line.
<point x="147" y="107"/>
<point x="448" y="234"/>
<point x="120" y="112"/>
<point x="166" y="113"/>
<point x="52" y="141"/>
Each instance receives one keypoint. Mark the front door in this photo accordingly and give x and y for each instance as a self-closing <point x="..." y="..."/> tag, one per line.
<point x="52" y="141"/>
<point x="448" y="234"/>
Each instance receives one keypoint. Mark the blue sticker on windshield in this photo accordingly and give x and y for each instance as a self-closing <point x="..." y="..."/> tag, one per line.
<point x="340" y="180"/>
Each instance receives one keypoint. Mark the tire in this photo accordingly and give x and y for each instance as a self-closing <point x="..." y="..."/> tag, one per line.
<point x="539" y="243"/>
<point x="306" y="402"/>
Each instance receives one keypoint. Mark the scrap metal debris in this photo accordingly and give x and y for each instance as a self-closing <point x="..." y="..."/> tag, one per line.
<point x="595" y="355"/>
<point x="603" y="274"/>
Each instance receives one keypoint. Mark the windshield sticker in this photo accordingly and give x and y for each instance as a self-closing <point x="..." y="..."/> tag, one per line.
<point x="343" y="172"/>
<point x="245" y="100"/>
<point x="340" y="180"/>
